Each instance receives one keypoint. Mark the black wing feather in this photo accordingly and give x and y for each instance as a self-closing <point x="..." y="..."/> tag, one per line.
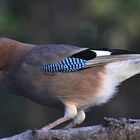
<point x="85" y="55"/>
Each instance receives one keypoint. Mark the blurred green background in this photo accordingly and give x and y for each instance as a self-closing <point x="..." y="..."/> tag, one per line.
<point x="86" y="23"/>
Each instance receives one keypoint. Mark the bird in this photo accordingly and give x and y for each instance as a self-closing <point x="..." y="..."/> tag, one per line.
<point x="64" y="76"/>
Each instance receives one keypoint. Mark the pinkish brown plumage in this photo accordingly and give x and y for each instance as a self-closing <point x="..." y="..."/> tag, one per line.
<point x="74" y="91"/>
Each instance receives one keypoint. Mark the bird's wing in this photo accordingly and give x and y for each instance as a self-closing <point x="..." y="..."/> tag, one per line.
<point x="110" y="58"/>
<point x="103" y="56"/>
<point x="66" y="58"/>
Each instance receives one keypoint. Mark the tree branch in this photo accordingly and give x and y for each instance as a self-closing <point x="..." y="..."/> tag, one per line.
<point x="112" y="129"/>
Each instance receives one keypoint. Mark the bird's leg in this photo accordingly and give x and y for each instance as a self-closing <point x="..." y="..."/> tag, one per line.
<point x="70" y="113"/>
<point x="77" y="120"/>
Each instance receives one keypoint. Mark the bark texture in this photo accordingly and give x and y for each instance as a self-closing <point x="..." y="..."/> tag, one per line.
<point x="112" y="129"/>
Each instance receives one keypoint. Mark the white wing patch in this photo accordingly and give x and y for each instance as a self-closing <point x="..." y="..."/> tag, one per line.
<point x="101" y="53"/>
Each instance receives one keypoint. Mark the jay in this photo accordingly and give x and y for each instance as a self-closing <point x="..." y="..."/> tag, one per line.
<point x="64" y="76"/>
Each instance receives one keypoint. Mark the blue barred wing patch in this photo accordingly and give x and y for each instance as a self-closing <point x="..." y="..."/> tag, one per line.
<point x="69" y="64"/>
